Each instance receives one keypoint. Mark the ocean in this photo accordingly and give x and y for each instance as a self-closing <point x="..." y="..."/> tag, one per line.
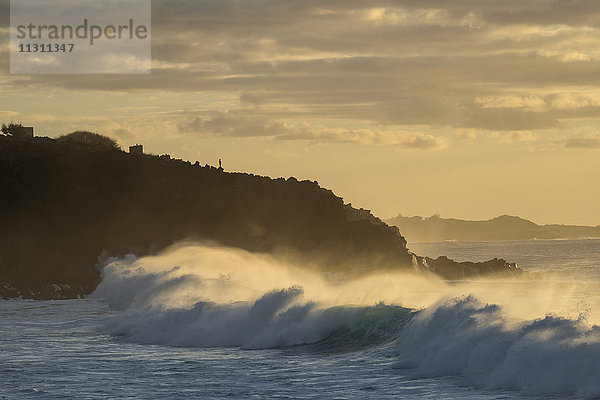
<point x="211" y="323"/>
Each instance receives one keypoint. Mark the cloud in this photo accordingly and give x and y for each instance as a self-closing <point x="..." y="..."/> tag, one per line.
<point x="499" y="66"/>
<point x="8" y="114"/>
<point x="520" y="136"/>
<point x="423" y="142"/>
<point x="235" y="124"/>
<point x="509" y="119"/>
<point x="532" y="103"/>
<point x="467" y="134"/>
<point x="571" y="101"/>
<point x="583" y="142"/>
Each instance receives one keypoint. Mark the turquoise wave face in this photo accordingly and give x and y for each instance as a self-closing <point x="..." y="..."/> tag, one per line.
<point x="278" y="319"/>
<point x="377" y="325"/>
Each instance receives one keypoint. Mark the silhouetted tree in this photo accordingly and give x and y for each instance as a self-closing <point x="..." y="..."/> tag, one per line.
<point x="14" y="130"/>
<point x="91" y="138"/>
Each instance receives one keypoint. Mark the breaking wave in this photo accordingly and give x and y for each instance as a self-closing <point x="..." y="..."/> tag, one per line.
<point x="216" y="297"/>
<point x="482" y="333"/>
<point x="277" y="319"/>
<point x="476" y="341"/>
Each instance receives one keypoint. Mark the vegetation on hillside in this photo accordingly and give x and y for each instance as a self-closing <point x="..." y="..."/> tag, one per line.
<point x="67" y="204"/>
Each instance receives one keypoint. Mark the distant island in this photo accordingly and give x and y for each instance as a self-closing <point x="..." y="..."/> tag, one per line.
<point x="68" y="204"/>
<point x="505" y="227"/>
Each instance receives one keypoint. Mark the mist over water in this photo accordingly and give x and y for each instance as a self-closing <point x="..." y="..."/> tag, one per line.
<point x="533" y="335"/>
<point x="205" y="296"/>
<point x="538" y="335"/>
<point x="479" y="343"/>
<point x="177" y="325"/>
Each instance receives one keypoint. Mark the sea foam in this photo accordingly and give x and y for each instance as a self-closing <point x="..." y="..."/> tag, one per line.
<point x="520" y="335"/>
<point x="476" y="341"/>
<point x="216" y="297"/>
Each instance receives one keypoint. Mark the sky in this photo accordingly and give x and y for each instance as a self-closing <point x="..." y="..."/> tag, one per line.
<point x="469" y="109"/>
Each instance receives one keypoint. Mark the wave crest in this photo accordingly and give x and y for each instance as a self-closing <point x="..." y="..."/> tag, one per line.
<point x="476" y="341"/>
<point x="206" y="297"/>
<point x="231" y="299"/>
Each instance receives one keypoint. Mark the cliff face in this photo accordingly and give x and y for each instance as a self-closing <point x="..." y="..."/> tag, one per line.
<point x="64" y="205"/>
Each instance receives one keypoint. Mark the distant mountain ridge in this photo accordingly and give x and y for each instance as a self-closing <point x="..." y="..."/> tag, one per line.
<point x="504" y="227"/>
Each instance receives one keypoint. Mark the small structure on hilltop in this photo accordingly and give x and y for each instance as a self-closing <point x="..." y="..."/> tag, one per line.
<point x="28" y="131"/>
<point x="136" y="149"/>
<point x="220" y="165"/>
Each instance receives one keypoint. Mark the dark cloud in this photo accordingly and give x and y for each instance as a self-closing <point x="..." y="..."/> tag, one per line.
<point x="234" y="124"/>
<point x="422" y="142"/>
<point x="410" y="62"/>
<point x="247" y="124"/>
<point x="509" y="119"/>
<point x="583" y="142"/>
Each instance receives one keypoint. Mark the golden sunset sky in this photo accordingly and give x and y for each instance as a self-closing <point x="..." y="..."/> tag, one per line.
<point x="466" y="108"/>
